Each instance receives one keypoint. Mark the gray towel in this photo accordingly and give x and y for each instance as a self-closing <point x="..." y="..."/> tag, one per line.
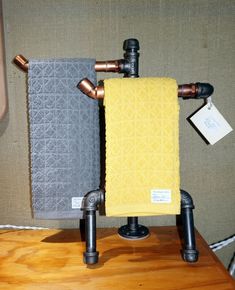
<point x="64" y="137"/>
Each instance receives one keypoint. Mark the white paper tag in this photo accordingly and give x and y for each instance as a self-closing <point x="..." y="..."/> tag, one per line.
<point x="161" y="196"/>
<point x="77" y="202"/>
<point x="211" y="123"/>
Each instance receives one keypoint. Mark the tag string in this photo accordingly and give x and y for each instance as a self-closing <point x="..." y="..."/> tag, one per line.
<point x="209" y="102"/>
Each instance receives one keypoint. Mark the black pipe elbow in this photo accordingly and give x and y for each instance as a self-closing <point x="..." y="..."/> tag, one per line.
<point x="186" y="200"/>
<point x="92" y="199"/>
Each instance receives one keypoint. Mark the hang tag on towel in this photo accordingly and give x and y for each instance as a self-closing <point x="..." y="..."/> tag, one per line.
<point x="77" y="202"/>
<point x="211" y="123"/>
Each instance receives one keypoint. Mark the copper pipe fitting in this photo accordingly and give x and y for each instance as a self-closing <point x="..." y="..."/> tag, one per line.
<point x="21" y="62"/>
<point x="87" y="87"/>
<point x="108" y="66"/>
<point x="100" y="66"/>
<point x="188" y="90"/>
<point x="197" y="90"/>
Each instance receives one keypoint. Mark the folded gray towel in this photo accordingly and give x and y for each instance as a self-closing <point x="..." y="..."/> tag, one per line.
<point x="64" y="137"/>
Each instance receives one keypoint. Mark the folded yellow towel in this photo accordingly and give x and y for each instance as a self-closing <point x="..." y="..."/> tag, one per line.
<point x="142" y="147"/>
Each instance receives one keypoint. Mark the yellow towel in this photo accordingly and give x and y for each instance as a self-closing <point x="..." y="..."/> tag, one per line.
<point x="142" y="147"/>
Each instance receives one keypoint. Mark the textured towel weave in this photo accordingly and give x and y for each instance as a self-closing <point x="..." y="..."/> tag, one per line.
<point x="64" y="137"/>
<point x="142" y="147"/>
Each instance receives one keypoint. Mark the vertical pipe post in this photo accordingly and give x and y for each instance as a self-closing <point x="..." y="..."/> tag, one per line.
<point x="190" y="253"/>
<point x="130" y="68"/>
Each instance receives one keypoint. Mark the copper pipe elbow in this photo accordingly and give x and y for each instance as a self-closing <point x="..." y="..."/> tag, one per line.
<point x="87" y="87"/>
<point x="21" y="62"/>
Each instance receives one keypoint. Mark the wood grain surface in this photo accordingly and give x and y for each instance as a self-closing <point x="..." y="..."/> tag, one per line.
<point x="52" y="259"/>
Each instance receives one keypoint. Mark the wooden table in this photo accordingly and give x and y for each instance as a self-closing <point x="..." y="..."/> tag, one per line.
<point x="52" y="260"/>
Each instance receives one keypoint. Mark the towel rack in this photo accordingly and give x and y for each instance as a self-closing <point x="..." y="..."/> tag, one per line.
<point x="129" y="66"/>
<point x="132" y="230"/>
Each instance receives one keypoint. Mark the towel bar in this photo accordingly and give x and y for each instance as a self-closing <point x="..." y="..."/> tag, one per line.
<point x="100" y="66"/>
<point x="129" y="65"/>
<point x="197" y="90"/>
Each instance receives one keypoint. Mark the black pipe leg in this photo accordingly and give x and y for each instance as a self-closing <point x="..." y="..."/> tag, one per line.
<point x="190" y="253"/>
<point x="91" y="202"/>
<point x="90" y="256"/>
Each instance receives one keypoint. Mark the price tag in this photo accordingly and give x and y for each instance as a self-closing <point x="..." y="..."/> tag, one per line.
<point x="211" y="123"/>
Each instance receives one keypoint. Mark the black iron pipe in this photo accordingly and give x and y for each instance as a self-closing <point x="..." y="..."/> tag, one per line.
<point x="91" y="202"/>
<point x="90" y="256"/>
<point x="188" y="226"/>
<point x="190" y="253"/>
<point x="132" y="223"/>
<point x="90" y="231"/>
<point x="130" y="67"/>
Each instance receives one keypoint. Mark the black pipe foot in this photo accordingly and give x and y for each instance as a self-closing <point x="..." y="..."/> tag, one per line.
<point x="141" y="232"/>
<point x="90" y="258"/>
<point x="190" y="256"/>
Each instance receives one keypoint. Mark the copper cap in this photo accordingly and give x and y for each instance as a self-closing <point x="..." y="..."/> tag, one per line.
<point x="21" y="62"/>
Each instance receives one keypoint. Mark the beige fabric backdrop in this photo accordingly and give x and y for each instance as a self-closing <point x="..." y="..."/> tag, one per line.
<point x="188" y="40"/>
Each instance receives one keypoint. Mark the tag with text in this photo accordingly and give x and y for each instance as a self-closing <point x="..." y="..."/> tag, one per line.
<point x="211" y="123"/>
<point x="161" y="196"/>
<point x="77" y="202"/>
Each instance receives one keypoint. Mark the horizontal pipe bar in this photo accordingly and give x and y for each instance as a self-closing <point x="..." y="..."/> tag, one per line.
<point x="100" y="66"/>
<point x="197" y="90"/>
